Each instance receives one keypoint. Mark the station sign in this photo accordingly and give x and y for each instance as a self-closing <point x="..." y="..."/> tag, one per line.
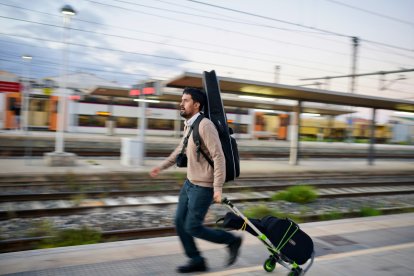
<point x="146" y="88"/>
<point x="7" y="86"/>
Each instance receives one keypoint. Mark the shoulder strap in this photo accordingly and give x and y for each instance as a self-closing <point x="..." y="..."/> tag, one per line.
<point x="185" y="143"/>
<point x="197" y="141"/>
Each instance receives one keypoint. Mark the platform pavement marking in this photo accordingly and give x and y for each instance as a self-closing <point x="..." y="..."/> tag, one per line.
<point x="319" y="259"/>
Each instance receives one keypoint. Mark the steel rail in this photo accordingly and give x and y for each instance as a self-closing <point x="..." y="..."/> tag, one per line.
<point x="323" y="193"/>
<point x="21" y="244"/>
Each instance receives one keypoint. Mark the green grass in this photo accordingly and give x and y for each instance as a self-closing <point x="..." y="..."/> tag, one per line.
<point x="260" y="211"/>
<point x="331" y="215"/>
<point x="369" y="212"/>
<point x="69" y="237"/>
<point x="298" y="194"/>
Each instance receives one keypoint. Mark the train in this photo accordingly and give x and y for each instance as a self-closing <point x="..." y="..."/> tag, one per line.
<point x="120" y="116"/>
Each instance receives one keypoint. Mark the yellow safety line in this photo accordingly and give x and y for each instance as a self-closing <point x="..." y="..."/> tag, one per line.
<point x="365" y="251"/>
<point x="318" y="259"/>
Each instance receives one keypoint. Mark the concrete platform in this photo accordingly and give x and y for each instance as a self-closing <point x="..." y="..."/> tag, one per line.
<point x="381" y="245"/>
<point x="248" y="167"/>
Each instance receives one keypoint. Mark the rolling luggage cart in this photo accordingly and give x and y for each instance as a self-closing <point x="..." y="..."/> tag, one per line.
<point x="294" y="247"/>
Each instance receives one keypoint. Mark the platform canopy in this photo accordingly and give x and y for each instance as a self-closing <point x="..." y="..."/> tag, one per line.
<point x="173" y="95"/>
<point x="109" y="91"/>
<point x="265" y="89"/>
<point x="255" y="103"/>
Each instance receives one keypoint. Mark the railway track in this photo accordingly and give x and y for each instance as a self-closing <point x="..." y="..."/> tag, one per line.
<point x="240" y="188"/>
<point x="251" y="154"/>
<point x="247" y="189"/>
<point x="107" y="180"/>
<point x="21" y="244"/>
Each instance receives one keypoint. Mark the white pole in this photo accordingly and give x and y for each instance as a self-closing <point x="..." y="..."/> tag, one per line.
<point x="142" y="127"/>
<point x="59" y="145"/>
<point x="26" y="94"/>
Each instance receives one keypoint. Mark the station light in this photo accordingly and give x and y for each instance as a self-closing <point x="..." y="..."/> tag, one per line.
<point x="103" y="113"/>
<point x="403" y="113"/>
<point x="310" y="114"/>
<point x="268" y="111"/>
<point x="257" y="98"/>
<point x="146" y="101"/>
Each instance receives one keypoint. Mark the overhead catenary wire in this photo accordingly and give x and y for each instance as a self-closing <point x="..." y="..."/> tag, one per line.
<point x="372" y="13"/>
<point x="216" y="28"/>
<point x="169" y="44"/>
<point x="103" y="35"/>
<point x="299" y="25"/>
<point x="221" y="46"/>
<point x="203" y="42"/>
<point x="137" y="53"/>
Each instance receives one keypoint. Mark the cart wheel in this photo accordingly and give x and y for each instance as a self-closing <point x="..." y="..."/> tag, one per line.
<point x="270" y="264"/>
<point x="295" y="272"/>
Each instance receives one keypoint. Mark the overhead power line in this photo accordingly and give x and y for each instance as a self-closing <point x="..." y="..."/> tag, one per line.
<point x="221" y="46"/>
<point x="169" y="44"/>
<point x="138" y="53"/>
<point x="364" y="74"/>
<point x="183" y="39"/>
<point x="220" y="28"/>
<point x="373" y="13"/>
<point x="299" y="25"/>
<point x="270" y="18"/>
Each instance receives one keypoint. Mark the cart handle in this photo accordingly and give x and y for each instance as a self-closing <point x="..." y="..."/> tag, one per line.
<point x="226" y="201"/>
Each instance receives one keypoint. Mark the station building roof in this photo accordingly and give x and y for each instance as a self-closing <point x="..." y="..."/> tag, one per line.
<point x="265" y="89"/>
<point x="228" y="100"/>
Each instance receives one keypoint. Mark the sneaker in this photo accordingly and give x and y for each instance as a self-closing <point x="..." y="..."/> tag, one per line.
<point x="234" y="249"/>
<point x="192" y="267"/>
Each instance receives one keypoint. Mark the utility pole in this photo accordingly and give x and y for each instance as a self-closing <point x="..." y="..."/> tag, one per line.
<point x="355" y="44"/>
<point x="277" y="73"/>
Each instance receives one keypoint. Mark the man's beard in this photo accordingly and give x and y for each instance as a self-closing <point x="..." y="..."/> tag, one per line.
<point x="184" y="114"/>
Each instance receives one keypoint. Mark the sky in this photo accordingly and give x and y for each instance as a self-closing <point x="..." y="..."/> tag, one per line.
<point x="125" y="41"/>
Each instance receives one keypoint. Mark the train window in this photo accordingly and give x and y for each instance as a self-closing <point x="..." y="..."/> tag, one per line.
<point x="239" y="128"/>
<point x="126" y="122"/>
<point x="163" y="105"/>
<point x="91" y="120"/>
<point x="160" y="124"/>
<point x="236" y="110"/>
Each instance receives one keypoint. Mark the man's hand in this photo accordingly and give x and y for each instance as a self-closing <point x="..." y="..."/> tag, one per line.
<point x="154" y="172"/>
<point x="217" y="197"/>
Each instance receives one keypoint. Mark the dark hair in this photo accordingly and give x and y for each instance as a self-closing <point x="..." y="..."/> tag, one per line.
<point x="197" y="95"/>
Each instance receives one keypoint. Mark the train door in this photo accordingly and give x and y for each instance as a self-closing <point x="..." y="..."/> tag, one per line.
<point x="39" y="112"/>
<point x="283" y="126"/>
<point x="266" y="125"/>
<point x="53" y="108"/>
<point x="11" y="100"/>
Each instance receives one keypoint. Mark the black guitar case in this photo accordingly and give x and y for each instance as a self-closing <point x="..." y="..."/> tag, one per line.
<point x="214" y="110"/>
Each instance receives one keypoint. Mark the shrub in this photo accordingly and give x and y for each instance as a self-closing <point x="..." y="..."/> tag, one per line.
<point x="331" y="215"/>
<point x="299" y="194"/>
<point x="69" y="237"/>
<point x="41" y="228"/>
<point x="369" y="212"/>
<point x="258" y="211"/>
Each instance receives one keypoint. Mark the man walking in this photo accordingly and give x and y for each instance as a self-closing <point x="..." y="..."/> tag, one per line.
<point x="203" y="185"/>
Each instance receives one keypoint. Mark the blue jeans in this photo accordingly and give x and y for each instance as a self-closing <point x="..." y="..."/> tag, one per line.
<point x="193" y="204"/>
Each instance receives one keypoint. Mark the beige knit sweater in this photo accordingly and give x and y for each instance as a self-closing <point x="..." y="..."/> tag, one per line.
<point x="200" y="172"/>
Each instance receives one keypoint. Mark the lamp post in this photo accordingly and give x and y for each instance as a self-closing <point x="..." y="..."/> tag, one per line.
<point x="59" y="157"/>
<point x="26" y="93"/>
<point x="67" y="12"/>
<point x="26" y="106"/>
